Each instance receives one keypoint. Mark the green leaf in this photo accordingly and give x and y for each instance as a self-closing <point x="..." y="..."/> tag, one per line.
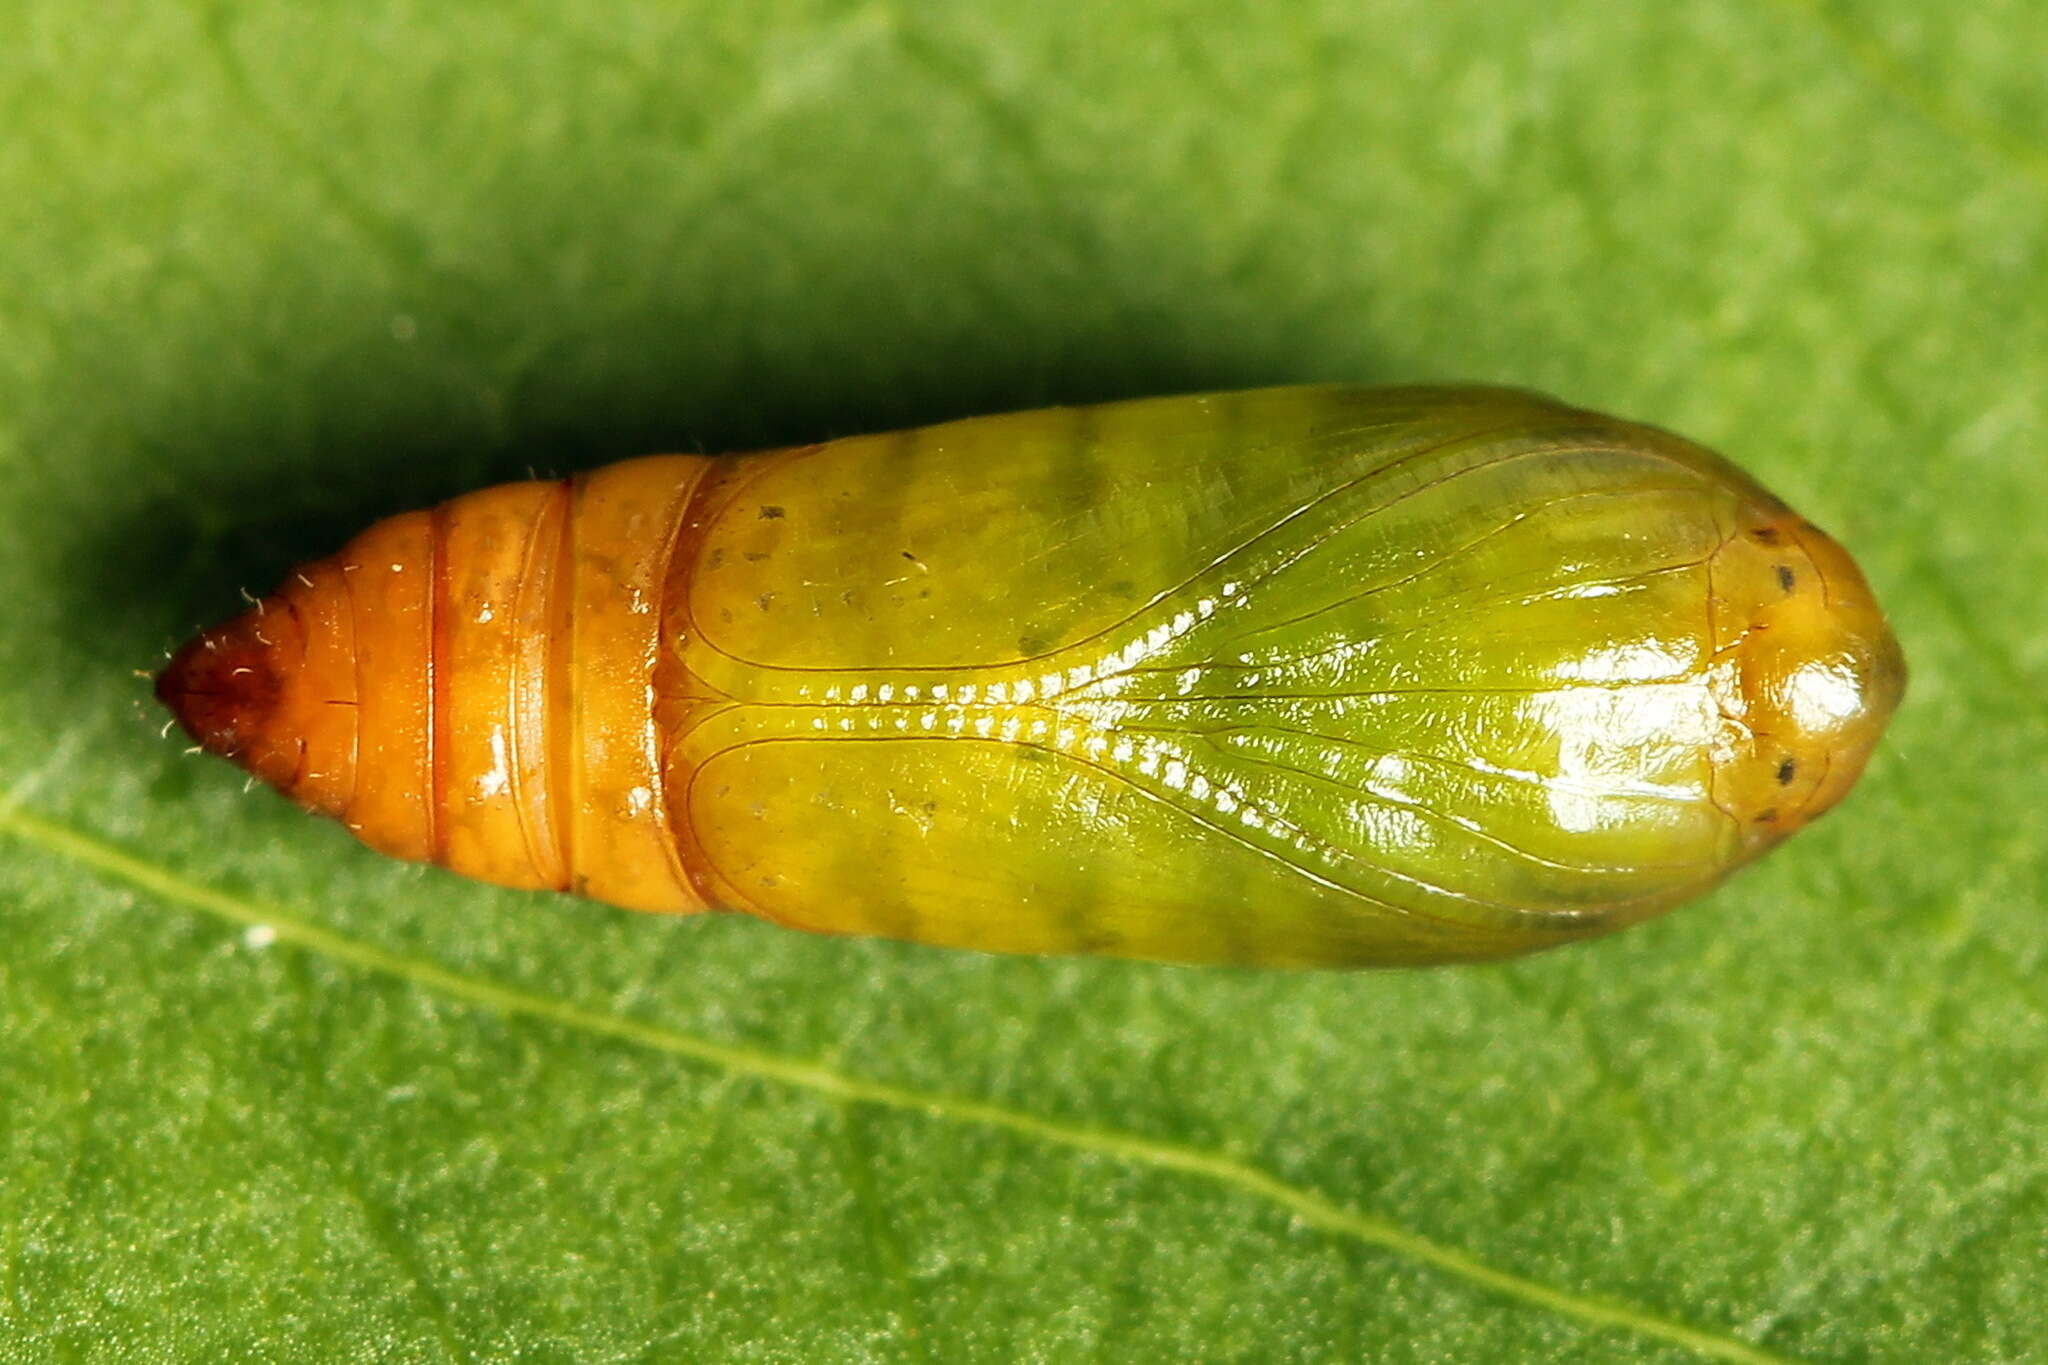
<point x="268" y="272"/>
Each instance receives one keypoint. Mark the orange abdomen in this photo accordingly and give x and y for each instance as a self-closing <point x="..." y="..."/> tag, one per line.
<point x="472" y="685"/>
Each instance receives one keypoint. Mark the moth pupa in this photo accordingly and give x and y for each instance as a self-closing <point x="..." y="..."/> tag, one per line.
<point x="1320" y="676"/>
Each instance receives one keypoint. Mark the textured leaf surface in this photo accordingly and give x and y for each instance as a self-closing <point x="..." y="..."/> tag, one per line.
<point x="268" y="272"/>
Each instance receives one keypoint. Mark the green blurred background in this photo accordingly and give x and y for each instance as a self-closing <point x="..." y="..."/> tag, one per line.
<point x="267" y="272"/>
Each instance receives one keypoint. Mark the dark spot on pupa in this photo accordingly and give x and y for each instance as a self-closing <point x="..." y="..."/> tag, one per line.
<point x="756" y="556"/>
<point x="1765" y="817"/>
<point x="763" y="600"/>
<point x="1786" y="578"/>
<point x="1031" y="644"/>
<point x="1786" y="771"/>
<point x="717" y="558"/>
<point x="1098" y="939"/>
<point x="1766" y="535"/>
<point x="771" y="514"/>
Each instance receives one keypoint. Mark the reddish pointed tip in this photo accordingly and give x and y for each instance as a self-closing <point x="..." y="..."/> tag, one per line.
<point x="222" y="686"/>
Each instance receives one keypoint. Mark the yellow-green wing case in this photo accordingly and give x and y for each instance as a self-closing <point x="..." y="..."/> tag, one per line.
<point x="1316" y="676"/>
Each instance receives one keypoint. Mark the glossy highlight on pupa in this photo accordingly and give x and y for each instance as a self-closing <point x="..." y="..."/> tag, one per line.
<point x="1320" y="676"/>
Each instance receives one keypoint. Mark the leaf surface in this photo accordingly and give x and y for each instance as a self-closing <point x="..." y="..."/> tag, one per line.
<point x="269" y="272"/>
